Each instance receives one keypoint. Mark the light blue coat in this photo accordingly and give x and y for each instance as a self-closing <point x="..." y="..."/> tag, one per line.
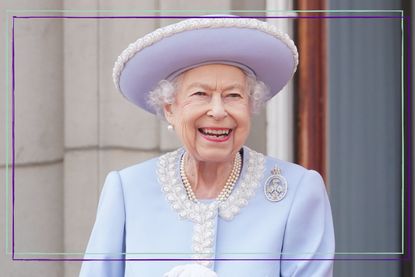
<point x="143" y="214"/>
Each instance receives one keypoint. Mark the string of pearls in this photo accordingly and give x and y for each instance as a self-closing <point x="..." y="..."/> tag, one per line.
<point x="229" y="185"/>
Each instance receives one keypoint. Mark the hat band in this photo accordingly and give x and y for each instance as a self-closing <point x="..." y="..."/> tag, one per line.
<point x="239" y="65"/>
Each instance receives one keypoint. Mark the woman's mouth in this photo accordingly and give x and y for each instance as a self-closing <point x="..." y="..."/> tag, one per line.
<point x="216" y="134"/>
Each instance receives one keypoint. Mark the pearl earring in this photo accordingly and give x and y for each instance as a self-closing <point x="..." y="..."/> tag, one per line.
<point x="170" y="127"/>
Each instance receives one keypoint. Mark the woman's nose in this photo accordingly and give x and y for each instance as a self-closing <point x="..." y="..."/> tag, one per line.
<point x="217" y="108"/>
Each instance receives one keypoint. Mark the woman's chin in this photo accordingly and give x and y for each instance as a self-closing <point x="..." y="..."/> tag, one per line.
<point x="215" y="154"/>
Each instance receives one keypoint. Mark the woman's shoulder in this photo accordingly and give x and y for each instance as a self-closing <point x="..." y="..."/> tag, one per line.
<point x="287" y="169"/>
<point x="140" y="167"/>
<point x="145" y="170"/>
<point x="140" y="178"/>
<point x="296" y="175"/>
<point x="285" y="166"/>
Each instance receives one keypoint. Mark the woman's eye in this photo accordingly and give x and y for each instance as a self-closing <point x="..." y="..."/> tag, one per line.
<point x="199" y="93"/>
<point x="234" y="95"/>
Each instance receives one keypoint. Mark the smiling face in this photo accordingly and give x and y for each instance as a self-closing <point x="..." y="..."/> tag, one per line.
<point x="211" y="113"/>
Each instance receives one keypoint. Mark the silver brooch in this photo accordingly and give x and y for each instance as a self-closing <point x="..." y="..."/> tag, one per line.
<point x="276" y="186"/>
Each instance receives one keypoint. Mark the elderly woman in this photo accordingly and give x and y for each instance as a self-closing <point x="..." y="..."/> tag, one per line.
<point x="214" y="207"/>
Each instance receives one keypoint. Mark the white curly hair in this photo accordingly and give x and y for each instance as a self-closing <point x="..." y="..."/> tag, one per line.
<point x="165" y="92"/>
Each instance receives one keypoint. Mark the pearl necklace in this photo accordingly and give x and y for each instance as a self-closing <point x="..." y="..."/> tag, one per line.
<point x="229" y="185"/>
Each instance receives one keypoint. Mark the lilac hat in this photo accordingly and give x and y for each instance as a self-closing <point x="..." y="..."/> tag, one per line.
<point x="250" y="44"/>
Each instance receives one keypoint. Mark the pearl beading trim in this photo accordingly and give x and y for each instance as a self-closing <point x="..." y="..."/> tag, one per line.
<point x="195" y="24"/>
<point x="203" y="215"/>
<point x="227" y="189"/>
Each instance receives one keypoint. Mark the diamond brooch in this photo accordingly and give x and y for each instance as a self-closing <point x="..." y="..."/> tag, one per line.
<point x="276" y="186"/>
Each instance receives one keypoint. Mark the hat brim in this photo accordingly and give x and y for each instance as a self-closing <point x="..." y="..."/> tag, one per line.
<point x="270" y="58"/>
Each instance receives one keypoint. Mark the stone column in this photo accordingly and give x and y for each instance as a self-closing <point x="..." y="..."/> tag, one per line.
<point x="103" y="131"/>
<point x="80" y="130"/>
<point x="38" y="142"/>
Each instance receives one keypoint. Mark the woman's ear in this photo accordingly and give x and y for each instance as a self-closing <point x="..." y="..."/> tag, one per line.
<point x="168" y="113"/>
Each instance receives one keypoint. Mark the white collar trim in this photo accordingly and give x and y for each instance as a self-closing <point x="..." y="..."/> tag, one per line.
<point x="203" y="214"/>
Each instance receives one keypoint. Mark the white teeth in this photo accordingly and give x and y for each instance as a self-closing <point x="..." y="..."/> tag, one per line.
<point x="215" y="132"/>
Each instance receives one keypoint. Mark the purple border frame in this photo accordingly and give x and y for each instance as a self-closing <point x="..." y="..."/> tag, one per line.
<point x="406" y="257"/>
